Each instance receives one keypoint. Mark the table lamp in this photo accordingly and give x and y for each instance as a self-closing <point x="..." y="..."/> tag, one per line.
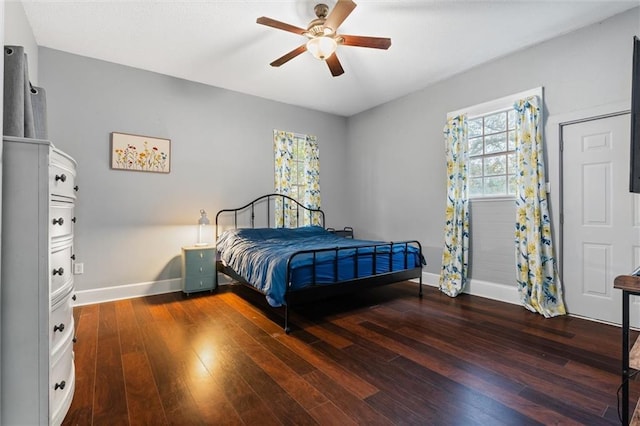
<point x="203" y="224"/>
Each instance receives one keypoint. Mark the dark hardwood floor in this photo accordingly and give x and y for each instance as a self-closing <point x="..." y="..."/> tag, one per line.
<point x="381" y="357"/>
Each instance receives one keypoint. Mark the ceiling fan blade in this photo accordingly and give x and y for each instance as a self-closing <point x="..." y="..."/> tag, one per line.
<point x="280" y="25"/>
<point x="363" y="41"/>
<point x="289" y="56"/>
<point x="339" y="13"/>
<point x="334" y="65"/>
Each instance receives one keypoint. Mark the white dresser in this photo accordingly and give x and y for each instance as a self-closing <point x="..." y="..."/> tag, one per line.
<point x="37" y="327"/>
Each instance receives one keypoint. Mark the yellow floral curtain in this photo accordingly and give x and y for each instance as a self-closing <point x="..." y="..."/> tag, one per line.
<point x="537" y="274"/>
<point x="284" y="146"/>
<point x="283" y="153"/>
<point x="453" y="275"/>
<point x="312" y="179"/>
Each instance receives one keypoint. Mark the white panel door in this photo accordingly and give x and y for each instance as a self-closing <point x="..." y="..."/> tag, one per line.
<point x="601" y="230"/>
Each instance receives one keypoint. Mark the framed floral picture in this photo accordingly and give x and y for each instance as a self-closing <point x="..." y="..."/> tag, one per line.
<point x="140" y="153"/>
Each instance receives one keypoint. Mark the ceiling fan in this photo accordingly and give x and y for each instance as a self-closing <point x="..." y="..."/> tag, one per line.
<point x="323" y="36"/>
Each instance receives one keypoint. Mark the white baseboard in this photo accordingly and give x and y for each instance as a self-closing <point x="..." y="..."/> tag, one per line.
<point x="480" y="288"/>
<point x="127" y="291"/>
<point x="494" y="291"/>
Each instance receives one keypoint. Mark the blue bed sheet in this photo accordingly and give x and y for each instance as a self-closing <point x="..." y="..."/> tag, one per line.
<point x="260" y="256"/>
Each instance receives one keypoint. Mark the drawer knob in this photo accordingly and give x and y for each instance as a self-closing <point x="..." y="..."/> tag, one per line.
<point x="75" y="339"/>
<point x="75" y="188"/>
<point x="60" y="385"/>
<point x="58" y="271"/>
<point x="61" y="177"/>
<point x="73" y="219"/>
<point x="73" y="257"/>
<point x="59" y="328"/>
<point x="73" y="297"/>
<point x="58" y="221"/>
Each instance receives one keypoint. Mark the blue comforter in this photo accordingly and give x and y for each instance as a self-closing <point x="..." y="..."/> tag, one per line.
<point x="260" y="256"/>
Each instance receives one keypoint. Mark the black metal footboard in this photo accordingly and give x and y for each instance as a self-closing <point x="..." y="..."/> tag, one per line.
<point x="315" y="289"/>
<point x="266" y="212"/>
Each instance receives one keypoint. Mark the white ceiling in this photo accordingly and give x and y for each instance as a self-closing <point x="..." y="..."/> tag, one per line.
<point x="218" y="42"/>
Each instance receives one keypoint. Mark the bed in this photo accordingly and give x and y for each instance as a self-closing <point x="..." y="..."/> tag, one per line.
<point x="297" y="260"/>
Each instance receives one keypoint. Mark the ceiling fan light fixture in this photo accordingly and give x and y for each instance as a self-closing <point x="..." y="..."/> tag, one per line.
<point x="323" y="36"/>
<point x="322" y="47"/>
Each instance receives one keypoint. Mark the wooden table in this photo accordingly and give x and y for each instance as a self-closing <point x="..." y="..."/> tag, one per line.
<point x="630" y="285"/>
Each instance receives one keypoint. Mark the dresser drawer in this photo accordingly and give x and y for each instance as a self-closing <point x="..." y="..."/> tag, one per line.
<point x="62" y="175"/>
<point x="60" y="268"/>
<point x="62" y="382"/>
<point x="200" y="262"/>
<point x="61" y="219"/>
<point x="192" y="283"/>
<point x="61" y="323"/>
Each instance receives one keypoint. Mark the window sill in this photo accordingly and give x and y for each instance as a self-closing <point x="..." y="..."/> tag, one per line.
<point x="493" y="199"/>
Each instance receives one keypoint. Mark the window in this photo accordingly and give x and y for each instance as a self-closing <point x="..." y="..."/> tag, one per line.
<point x="490" y="181"/>
<point x="297" y="174"/>
<point x="491" y="170"/>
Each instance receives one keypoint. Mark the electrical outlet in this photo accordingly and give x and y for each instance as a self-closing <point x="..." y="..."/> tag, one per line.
<point x="78" y="268"/>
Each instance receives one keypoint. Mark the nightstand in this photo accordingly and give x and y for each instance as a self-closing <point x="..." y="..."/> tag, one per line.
<point x="199" y="269"/>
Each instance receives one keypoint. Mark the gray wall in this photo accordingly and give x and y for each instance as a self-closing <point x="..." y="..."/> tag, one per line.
<point x="382" y="170"/>
<point x="131" y="225"/>
<point x="18" y="32"/>
<point x="399" y="183"/>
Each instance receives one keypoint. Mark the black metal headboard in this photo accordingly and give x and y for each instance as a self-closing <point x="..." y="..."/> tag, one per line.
<point x="245" y="216"/>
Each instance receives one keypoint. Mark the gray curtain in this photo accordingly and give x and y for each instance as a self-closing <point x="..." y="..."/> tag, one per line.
<point x="39" y="105"/>
<point x="25" y="106"/>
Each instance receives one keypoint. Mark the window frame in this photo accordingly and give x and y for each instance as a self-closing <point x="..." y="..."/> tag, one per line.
<point x="487" y="155"/>
<point x="300" y="178"/>
<point x="493" y="107"/>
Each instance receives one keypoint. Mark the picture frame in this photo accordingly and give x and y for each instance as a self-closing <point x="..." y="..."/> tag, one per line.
<point x="140" y="153"/>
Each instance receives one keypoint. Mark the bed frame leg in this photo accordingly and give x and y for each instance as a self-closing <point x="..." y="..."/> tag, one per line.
<point x="420" y="288"/>
<point x="287" y="330"/>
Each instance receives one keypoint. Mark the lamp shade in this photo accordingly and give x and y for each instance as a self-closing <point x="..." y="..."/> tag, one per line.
<point x="322" y="47"/>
